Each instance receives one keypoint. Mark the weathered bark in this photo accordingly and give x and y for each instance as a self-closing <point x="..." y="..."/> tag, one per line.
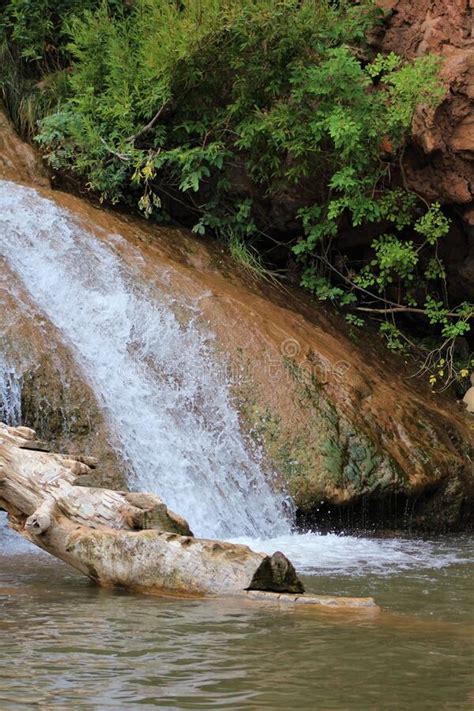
<point x="130" y="539"/>
<point x="119" y="538"/>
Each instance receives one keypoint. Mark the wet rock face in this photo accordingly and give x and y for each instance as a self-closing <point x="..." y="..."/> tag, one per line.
<point x="54" y="398"/>
<point x="339" y="420"/>
<point x="357" y="454"/>
<point x="59" y="406"/>
<point x="18" y="160"/>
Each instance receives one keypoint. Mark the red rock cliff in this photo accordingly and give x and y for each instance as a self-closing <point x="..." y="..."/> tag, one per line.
<point x="439" y="164"/>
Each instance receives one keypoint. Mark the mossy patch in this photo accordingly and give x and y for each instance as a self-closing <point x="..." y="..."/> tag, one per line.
<point x="64" y="414"/>
<point x="318" y="452"/>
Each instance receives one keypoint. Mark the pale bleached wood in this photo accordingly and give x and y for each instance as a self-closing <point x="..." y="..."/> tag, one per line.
<point x="122" y="538"/>
<point x="132" y="539"/>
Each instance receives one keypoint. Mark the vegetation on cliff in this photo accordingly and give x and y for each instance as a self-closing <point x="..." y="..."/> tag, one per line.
<point x="224" y="115"/>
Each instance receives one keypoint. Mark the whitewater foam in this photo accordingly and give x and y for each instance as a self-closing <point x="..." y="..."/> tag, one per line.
<point x="10" y="394"/>
<point x="333" y="554"/>
<point x="165" y="400"/>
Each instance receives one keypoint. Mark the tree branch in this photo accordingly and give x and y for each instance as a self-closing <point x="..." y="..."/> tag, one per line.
<point x="149" y="125"/>
<point x="393" y="306"/>
<point x="410" y="309"/>
<point x="121" y="156"/>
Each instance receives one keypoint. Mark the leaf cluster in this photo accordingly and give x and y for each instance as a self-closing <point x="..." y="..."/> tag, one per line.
<point x="218" y="104"/>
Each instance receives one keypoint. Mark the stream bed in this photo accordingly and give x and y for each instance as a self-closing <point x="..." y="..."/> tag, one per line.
<point x="66" y="644"/>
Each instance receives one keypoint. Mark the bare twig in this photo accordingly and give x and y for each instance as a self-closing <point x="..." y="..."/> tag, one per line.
<point x="121" y="156"/>
<point x="149" y="126"/>
<point x="410" y="309"/>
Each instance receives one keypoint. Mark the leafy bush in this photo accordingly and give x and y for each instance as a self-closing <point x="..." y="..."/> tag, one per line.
<point x="34" y="56"/>
<point x="182" y="92"/>
<point x="223" y="104"/>
<point x="36" y="26"/>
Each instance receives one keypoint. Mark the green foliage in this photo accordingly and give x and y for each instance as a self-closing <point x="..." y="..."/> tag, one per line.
<point x="433" y="225"/>
<point x="393" y="259"/>
<point x="392" y="336"/>
<point x="232" y="83"/>
<point x="354" y="320"/>
<point x="226" y="105"/>
<point x="396" y="259"/>
<point x="36" y="26"/>
<point x="34" y="59"/>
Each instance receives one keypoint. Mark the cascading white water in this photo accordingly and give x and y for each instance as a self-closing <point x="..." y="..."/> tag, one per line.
<point x="10" y="394"/>
<point x="163" y="395"/>
<point x="165" y="399"/>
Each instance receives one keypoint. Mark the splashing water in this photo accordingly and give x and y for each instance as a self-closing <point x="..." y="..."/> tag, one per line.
<point x="167" y="404"/>
<point x="10" y="394"/>
<point x="324" y="554"/>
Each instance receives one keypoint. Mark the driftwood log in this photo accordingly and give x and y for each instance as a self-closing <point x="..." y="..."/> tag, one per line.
<point x="129" y="539"/>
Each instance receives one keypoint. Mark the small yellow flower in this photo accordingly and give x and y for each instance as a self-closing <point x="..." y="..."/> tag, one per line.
<point x="432" y="379"/>
<point x="147" y="171"/>
<point x="463" y="373"/>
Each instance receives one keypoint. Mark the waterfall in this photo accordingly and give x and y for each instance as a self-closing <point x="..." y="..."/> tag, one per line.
<point x="165" y="398"/>
<point x="10" y="394"/>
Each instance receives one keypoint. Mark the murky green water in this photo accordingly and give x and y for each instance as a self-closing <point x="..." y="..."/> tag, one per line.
<point x="66" y="644"/>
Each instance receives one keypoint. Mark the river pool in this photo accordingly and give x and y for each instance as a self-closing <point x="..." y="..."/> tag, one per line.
<point x="66" y="644"/>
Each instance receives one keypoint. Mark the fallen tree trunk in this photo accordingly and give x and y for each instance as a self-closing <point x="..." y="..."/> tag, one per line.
<point x="120" y="538"/>
<point x="127" y="539"/>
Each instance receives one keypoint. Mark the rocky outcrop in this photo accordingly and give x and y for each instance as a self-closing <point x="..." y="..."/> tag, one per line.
<point x="444" y="169"/>
<point x="342" y="422"/>
<point x="439" y="164"/>
<point x="444" y="136"/>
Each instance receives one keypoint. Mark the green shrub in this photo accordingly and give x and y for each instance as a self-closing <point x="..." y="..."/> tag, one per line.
<point x="216" y="103"/>
<point x="221" y="82"/>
